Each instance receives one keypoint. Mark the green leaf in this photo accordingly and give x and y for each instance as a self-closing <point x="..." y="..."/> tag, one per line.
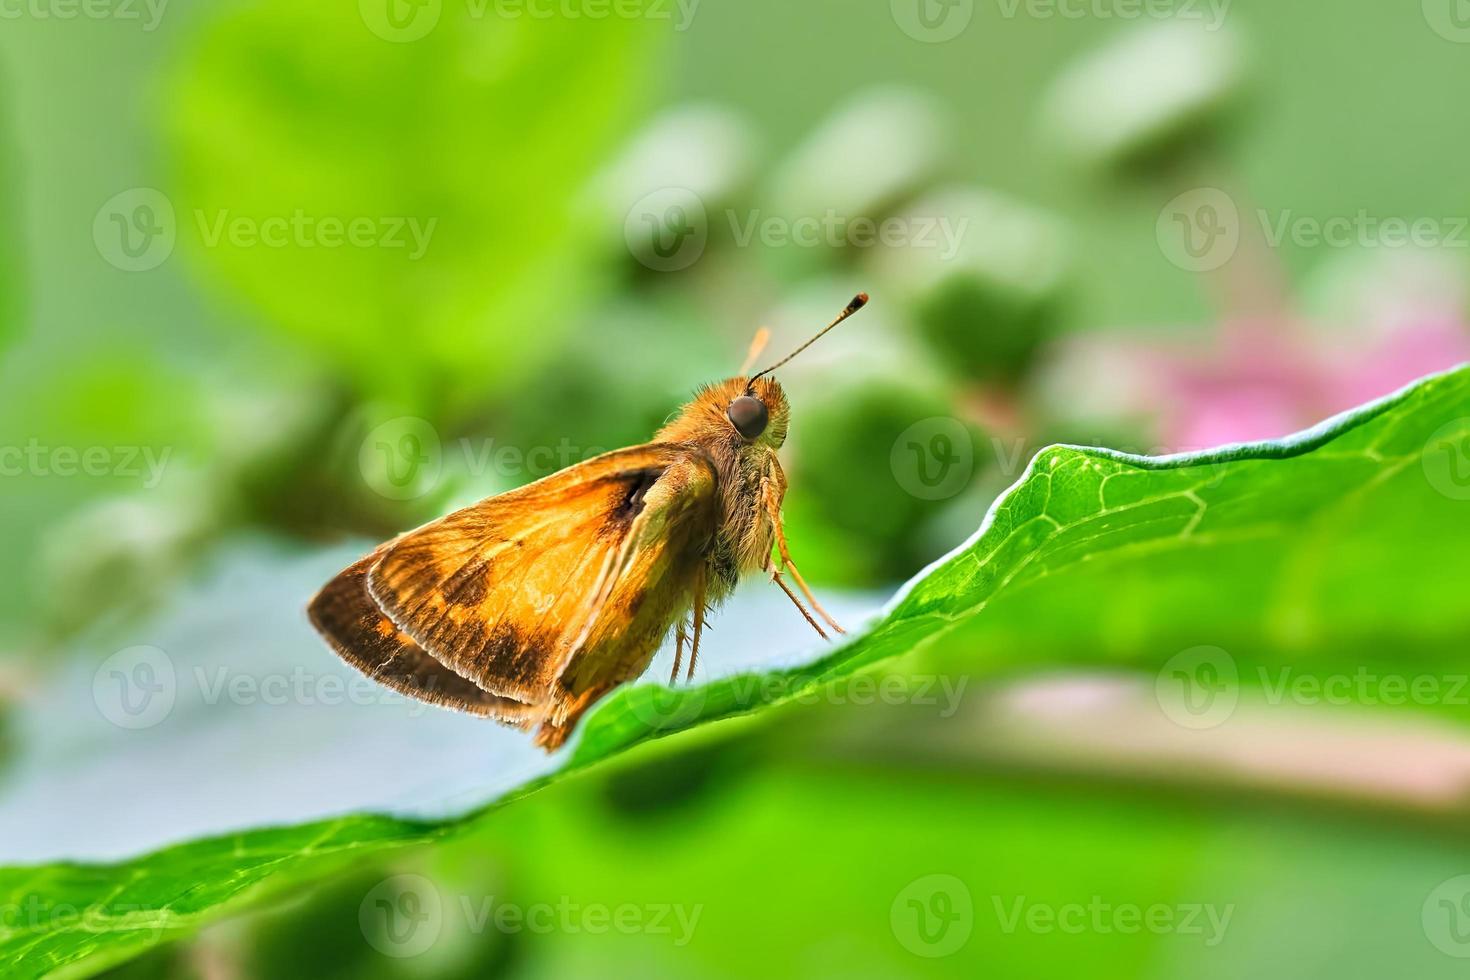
<point x="1351" y="531"/>
<point x="458" y="152"/>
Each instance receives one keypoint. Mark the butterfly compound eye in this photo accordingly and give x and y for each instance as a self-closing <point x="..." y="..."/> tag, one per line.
<point x="748" y="414"/>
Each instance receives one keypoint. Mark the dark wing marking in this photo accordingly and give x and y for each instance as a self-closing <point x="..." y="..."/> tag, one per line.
<point x="346" y="615"/>
<point x="662" y="558"/>
<point x="502" y="591"/>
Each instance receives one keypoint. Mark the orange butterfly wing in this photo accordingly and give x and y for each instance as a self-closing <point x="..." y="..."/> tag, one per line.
<point x="346" y="615"/>
<point x="594" y="561"/>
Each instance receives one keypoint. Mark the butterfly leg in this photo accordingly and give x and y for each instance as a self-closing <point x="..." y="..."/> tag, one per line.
<point x="699" y="603"/>
<point x="776" y="577"/>
<point x="681" y="635"/>
<point x="773" y="508"/>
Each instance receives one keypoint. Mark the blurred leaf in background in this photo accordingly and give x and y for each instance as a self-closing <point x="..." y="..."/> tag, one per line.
<point x="460" y="154"/>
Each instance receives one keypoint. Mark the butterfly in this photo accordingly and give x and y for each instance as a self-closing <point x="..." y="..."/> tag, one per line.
<point x="530" y="606"/>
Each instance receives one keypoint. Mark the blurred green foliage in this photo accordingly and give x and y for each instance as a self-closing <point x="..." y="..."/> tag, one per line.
<point x="479" y="140"/>
<point x="1080" y="514"/>
<point x="518" y="147"/>
<point x="526" y="320"/>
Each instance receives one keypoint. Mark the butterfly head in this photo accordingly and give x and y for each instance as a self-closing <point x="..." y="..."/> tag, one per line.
<point x="735" y="414"/>
<point x="758" y="413"/>
<point x="747" y="413"/>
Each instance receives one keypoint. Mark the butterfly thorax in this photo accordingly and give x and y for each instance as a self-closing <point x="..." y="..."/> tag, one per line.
<point x="748" y="472"/>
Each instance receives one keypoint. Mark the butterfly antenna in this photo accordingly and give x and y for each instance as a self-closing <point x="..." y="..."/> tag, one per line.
<point x="757" y="345"/>
<point x="858" y="302"/>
